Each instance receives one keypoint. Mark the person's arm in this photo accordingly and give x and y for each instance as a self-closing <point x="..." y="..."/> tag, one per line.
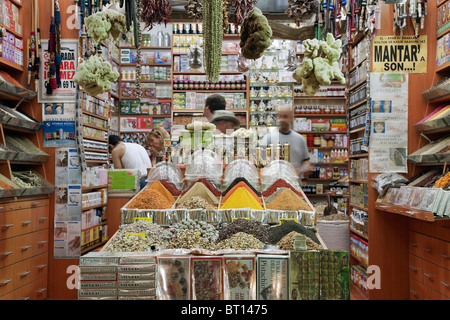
<point x="305" y="166"/>
<point x="117" y="155"/>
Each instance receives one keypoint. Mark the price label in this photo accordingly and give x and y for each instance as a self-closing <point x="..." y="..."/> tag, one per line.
<point x="239" y="218"/>
<point x="146" y="219"/>
<point x="288" y="219"/>
<point x="136" y="234"/>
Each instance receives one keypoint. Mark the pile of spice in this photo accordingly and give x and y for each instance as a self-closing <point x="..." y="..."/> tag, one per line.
<point x="156" y="185"/>
<point x="241" y="198"/>
<point x="189" y="240"/>
<point x="241" y="185"/>
<point x="203" y="229"/>
<point x="199" y="190"/>
<point x="207" y="184"/>
<point x="240" y="241"/>
<point x="150" y="199"/>
<point x="196" y="203"/>
<point x="172" y="189"/>
<point x="26" y="179"/>
<point x="277" y="233"/>
<point x="138" y="236"/>
<point x="280" y="183"/>
<point x="287" y="243"/>
<point x="5" y="186"/>
<point x="242" y="225"/>
<point x="287" y="200"/>
<point x="333" y="217"/>
<point x="23" y="144"/>
<point x="243" y="180"/>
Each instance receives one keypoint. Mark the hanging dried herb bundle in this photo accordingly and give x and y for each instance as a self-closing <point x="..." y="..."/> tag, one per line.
<point x="226" y="14"/>
<point x="213" y="36"/>
<point x="194" y="9"/>
<point x="155" y="12"/>
<point x="241" y="9"/>
<point x="297" y="9"/>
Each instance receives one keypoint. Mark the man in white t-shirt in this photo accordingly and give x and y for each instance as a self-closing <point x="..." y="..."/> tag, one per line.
<point x="129" y="156"/>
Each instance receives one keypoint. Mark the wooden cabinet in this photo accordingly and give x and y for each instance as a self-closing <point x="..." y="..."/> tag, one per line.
<point x="429" y="266"/>
<point x="24" y="249"/>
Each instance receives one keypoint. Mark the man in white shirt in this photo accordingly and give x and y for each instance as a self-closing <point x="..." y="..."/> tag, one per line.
<point x="129" y="156"/>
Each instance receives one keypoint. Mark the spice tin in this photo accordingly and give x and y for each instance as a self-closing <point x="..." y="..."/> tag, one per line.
<point x="136" y="276"/>
<point x="97" y="292"/>
<point x="98" y="276"/>
<point x="137" y="268"/>
<point x="98" y="269"/>
<point x="137" y="292"/>
<point x="136" y="284"/>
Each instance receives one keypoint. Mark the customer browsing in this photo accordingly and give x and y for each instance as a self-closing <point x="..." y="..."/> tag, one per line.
<point x="213" y="103"/>
<point x="129" y="156"/>
<point x="225" y="121"/>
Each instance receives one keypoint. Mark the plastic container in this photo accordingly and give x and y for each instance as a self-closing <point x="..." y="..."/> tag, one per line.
<point x="241" y="168"/>
<point x="279" y="169"/>
<point x="166" y="171"/>
<point x="205" y="164"/>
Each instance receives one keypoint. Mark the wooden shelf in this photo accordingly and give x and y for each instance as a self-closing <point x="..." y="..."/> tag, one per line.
<point x="207" y="91"/>
<point x="441" y="3"/>
<point x="93" y="247"/>
<point x="438" y="130"/>
<point x="10" y="65"/>
<point x="359" y="260"/>
<point x="358" y="181"/>
<point x="95" y="139"/>
<point x="362" y="235"/>
<point x="330" y="163"/>
<point x="95" y="127"/>
<point x="203" y="73"/>
<point x="15" y="33"/>
<point x="18" y="4"/>
<point x="441" y="99"/>
<point x="358" y="207"/>
<point x="28" y="163"/>
<point x="430" y="164"/>
<point x="328" y="148"/>
<point x="94" y="207"/>
<point x="97" y="161"/>
<point x="115" y="96"/>
<point x="357" y="85"/>
<point x="18" y="129"/>
<point x="361" y="155"/>
<point x="319" y="98"/>
<point x="405" y="211"/>
<point x="443" y="68"/>
<point x="322" y="132"/>
<point x="201" y="110"/>
<point x="356" y="293"/>
<point x="95" y="115"/>
<point x="357" y="65"/>
<point x="95" y="150"/>
<point x="97" y="225"/>
<point x="362" y="129"/>
<point x="89" y="189"/>
<point x="443" y="33"/>
<point x="358" y="104"/>
<point x="326" y="115"/>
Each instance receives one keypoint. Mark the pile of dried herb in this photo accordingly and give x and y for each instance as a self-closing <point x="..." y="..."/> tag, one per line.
<point x="287" y="243"/>
<point x="242" y="225"/>
<point x="277" y="233"/>
<point x="240" y="241"/>
<point x="189" y="240"/>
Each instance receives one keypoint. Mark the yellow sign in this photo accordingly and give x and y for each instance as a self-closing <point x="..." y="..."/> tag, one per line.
<point x="232" y="219"/>
<point x="406" y="54"/>
<point x="146" y="219"/>
<point x="135" y="234"/>
<point x="287" y="219"/>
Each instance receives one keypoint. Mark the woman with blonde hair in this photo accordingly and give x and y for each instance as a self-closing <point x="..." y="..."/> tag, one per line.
<point x="155" y="142"/>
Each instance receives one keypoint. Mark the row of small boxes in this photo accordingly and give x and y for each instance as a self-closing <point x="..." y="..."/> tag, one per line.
<point x="12" y="48"/>
<point x="9" y="15"/>
<point x="443" y="50"/>
<point x="94" y="198"/>
<point x="91" y="218"/>
<point x="93" y="236"/>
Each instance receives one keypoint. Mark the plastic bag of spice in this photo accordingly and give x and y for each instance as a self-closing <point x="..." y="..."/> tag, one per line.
<point x="207" y="278"/>
<point x="174" y="278"/>
<point x="239" y="277"/>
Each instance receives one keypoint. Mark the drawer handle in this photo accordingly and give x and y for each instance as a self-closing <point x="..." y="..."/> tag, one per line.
<point x="413" y="268"/>
<point x="42" y="266"/>
<point x="414" y="292"/>
<point x="427" y="275"/>
<point x="41" y="290"/>
<point x="445" y="284"/>
<point x="25" y="248"/>
<point x="43" y="218"/>
<point x="6" y="226"/>
<point x="444" y="256"/>
<point x="42" y="242"/>
<point x="4" y="283"/>
<point x="25" y="273"/>
<point x="413" y="244"/>
<point x="24" y="223"/>
<point x="34" y="204"/>
<point x="6" y="253"/>
<point x="427" y="249"/>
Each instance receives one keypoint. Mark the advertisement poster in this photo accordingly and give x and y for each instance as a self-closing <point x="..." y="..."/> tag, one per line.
<point x="59" y="134"/>
<point x="396" y="54"/>
<point x="67" y="91"/>
<point x="67" y="240"/>
<point x="68" y="203"/>
<point x="58" y="111"/>
<point x="135" y="124"/>
<point x="67" y="166"/>
<point x="389" y="118"/>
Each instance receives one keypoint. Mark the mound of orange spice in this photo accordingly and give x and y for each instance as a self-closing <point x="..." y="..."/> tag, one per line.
<point x="443" y="182"/>
<point x="150" y="199"/>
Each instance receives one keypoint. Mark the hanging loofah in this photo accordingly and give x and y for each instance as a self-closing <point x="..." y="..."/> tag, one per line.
<point x="102" y="24"/>
<point x="255" y="35"/>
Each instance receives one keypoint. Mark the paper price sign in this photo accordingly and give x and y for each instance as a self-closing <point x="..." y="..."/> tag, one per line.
<point x="239" y="218"/>
<point x="406" y="54"/>
<point x="287" y="219"/>
<point x="145" y="219"/>
<point x="136" y="234"/>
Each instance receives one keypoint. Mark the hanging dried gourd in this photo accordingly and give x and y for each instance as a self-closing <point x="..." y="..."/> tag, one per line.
<point x="213" y="36"/>
<point x="241" y="9"/>
<point x="194" y="9"/>
<point x="155" y="12"/>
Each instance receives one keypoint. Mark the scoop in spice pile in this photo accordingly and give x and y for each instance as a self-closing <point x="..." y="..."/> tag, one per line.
<point x="287" y="243"/>
<point x="241" y="198"/>
<point x="240" y="241"/>
<point x="242" y="225"/>
<point x="287" y="200"/>
<point x="278" y="232"/>
<point x="150" y="199"/>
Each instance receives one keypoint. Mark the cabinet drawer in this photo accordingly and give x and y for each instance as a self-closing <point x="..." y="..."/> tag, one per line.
<point x="415" y="268"/>
<point x="413" y="243"/>
<point x="415" y="290"/>
<point x="32" y="204"/>
<point x="41" y="217"/>
<point x="39" y="266"/>
<point x="14" y="223"/>
<point x="16" y="249"/>
<point x="6" y="281"/>
<point x="436" y="278"/>
<point x="437" y="229"/>
<point x="39" y="289"/>
<point x="36" y="290"/>
<point x="40" y="242"/>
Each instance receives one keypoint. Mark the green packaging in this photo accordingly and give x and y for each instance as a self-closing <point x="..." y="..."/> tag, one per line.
<point x="304" y="275"/>
<point x="334" y="275"/>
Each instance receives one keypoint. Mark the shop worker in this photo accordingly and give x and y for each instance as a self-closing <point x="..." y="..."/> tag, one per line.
<point x="129" y="156"/>
<point x="155" y="143"/>
<point x="213" y="103"/>
<point x="225" y="121"/>
<point x="299" y="154"/>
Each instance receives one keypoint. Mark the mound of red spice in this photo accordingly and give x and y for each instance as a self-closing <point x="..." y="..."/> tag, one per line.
<point x="280" y="183"/>
<point x="174" y="191"/>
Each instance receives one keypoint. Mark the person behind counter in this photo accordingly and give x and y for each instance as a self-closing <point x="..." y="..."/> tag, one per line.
<point x="155" y="142"/>
<point x="299" y="154"/>
<point x="225" y="121"/>
<point x="129" y="156"/>
<point x="213" y="103"/>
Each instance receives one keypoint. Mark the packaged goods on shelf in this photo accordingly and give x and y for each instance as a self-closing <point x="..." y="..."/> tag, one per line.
<point x="95" y="144"/>
<point x="91" y="218"/>
<point x="319" y="109"/>
<point x="443" y="50"/>
<point x="436" y="151"/>
<point x="272" y="277"/>
<point x="95" y="176"/>
<point x="87" y="119"/>
<point x="359" y="52"/>
<point x="196" y="100"/>
<point x="304" y="265"/>
<point x="359" y="195"/>
<point x="93" y="105"/>
<point x="356" y="146"/>
<point x="12" y="48"/>
<point x="10" y="16"/>
<point x="199" y="82"/>
<point x="359" y="74"/>
<point x="94" y="198"/>
<point x="358" y="117"/>
<point x="147" y="56"/>
<point x="359" y="169"/>
<point x="207" y="278"/>
<point x="358" y="95"/>
<point x="324" y="91"/>
<point x="359" y="277"/>
<point x="174" y="276"/>
<point x="94" y="133"/>
<point x="359" y="248"/>
<point x="360" y="221"/>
